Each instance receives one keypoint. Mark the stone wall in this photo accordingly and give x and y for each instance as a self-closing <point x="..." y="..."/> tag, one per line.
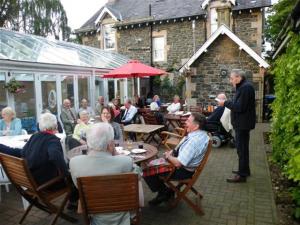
<point x="207" y="81"/>
<point x="135" y="43"/>
<point x="91" y="40"/>
<point x="248" y="27"/>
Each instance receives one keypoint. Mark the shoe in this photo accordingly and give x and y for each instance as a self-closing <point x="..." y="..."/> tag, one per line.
<point x="237" y="172"/>
<point x="160" y="198"/>
<point x="236" y="179"/>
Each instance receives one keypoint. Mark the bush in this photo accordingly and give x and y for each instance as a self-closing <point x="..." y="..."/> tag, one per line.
<point x="286" y="110"/>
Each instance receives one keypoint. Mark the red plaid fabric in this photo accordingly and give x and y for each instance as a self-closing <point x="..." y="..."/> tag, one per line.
<point x="153" y="170"/>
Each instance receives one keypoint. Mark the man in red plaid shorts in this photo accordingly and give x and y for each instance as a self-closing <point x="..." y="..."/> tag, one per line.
<point x="186" y="157"/>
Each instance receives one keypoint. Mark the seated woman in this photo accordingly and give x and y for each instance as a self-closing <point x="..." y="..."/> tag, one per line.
<point x="155" y="104"/>
<point x="107" y="115"/>
<point x="78" y="137"/>
<point x="175" y="106"/>
<point x="9" y="125"/>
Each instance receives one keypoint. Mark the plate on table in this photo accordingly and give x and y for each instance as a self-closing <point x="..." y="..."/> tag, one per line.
<point x="124" y="152"/>
<point x="138" y="150"/>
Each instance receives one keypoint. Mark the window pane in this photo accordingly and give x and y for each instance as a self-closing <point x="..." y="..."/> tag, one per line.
<point x="213" y="20"/>
<point x="67" y="88"/>
<point x="3" y="102"/>
<point x="109" y="37"/>
<point x="111" y="90"/>
<point x="25" y="104"/>
<point x="83" y="88"/>
<point x="49" y="93"/>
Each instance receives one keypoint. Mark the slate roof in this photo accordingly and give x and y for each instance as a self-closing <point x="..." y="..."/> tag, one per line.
<point x="132" y="10"/>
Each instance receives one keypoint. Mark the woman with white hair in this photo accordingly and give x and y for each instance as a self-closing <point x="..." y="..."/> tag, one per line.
<point x="80" y="129"/>
<point x="101" y="161"/>
<point x="9" y="125"/>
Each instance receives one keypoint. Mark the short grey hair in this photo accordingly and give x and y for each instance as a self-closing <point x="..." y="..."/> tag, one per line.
<point x="47" y="121"/>
<point x="99" y="136"/>
<point x="239" y="73"/>
<point x="83" y="112"/>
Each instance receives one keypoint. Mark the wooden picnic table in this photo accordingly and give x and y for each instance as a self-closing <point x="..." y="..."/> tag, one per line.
<point x="151" y="151"/>
<point x="143" y="129"/>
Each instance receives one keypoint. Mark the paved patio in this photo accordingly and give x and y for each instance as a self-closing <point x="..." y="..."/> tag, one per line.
<point x="248" y="203"/>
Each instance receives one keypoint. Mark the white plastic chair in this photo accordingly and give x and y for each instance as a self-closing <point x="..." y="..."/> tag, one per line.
<point x="3" y="181"/>
<point x="24" y="132"/>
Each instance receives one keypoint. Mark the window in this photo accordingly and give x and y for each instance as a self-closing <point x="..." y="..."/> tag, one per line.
<point x="213" y="20"/>
<point x="3" y="102"/>
<point x="109" y="37"/>
<point x="158" y="49"/>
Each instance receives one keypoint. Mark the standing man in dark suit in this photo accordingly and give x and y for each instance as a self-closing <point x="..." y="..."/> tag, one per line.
<point x="243" y="120"/>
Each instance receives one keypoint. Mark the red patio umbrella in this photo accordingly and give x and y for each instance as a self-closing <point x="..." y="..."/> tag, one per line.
<point x="133" y="69"/>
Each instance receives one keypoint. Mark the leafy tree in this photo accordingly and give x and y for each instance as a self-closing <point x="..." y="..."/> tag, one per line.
<point x="279" y="14"/>
<point x="39" y="17"/>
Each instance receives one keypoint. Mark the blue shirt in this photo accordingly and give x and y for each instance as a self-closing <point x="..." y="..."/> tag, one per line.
<point x="192" y="149"/>
<point x="15" y="127"/>
<point x="129" y="114"/>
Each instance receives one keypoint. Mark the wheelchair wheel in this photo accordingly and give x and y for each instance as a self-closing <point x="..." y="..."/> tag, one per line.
<point x="216" y="141"/>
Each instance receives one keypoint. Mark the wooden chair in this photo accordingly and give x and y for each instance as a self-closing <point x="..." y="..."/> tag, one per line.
<point x="183" y="120"/>
<point x="150" y="118"/>
<point x="171" y="140"/>
<point x="196" y="109"/>
<point x="176" y="185"/>
<point x="109" y="194"/>
<point x="40" y="196"/>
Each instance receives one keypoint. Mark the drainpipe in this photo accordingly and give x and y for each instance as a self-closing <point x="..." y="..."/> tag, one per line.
<point x="151" y="49"/>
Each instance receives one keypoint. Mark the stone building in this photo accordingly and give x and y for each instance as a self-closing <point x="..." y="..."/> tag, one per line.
<point x="166" y="33"/>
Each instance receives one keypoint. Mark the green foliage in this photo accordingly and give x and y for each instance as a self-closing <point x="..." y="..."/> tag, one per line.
<point x="14" y="86"/>
<point x="156" y="80"/>
<point x="39" y="17"/>
<point x="169" y="89"/>
<point x="286" y="114"/>
<point x="275" y="22"/>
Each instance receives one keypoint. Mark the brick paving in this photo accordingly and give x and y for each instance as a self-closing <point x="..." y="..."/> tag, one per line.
<point x="250" y="203"/>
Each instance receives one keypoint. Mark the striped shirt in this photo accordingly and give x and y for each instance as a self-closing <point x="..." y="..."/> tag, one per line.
<point x="192" y="149"/>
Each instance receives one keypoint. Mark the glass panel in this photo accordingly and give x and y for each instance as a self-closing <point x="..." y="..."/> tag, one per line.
<point x="109" y="37"/>
<point x="111" y="90"/>
<point x="83" y="88"/>
<point x="130" y="88"/>
<point x="67" y="88"/>
<point x="25" y="103"/>
<point x="17" y="46"/>
<point x="49" y="93"/>
<point x="3" y="102"/>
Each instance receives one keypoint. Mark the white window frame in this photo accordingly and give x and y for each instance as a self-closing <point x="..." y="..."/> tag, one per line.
<point x="109" y="33"/>
<point x="213" y="20"/>
<point x="159" y="44"/>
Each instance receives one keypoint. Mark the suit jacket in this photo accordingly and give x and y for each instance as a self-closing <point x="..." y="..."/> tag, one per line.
<point x="102" y="163"/>
<point x="242" y="107"/>
<point x="69" y="121"/>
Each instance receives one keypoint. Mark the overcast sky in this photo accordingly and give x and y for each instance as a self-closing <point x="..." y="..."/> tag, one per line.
<point x="79" y="11"/>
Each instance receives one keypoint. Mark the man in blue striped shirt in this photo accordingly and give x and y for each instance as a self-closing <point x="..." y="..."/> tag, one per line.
<point x="187" y="155"/>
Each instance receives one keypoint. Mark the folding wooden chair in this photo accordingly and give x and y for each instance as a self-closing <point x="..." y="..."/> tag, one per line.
<point x="109" y="194"/>
<point x="176" y="185"/>
<point x="171" y="140"/>
<point x="40" y="196"/>
<point x="196" y="109"/>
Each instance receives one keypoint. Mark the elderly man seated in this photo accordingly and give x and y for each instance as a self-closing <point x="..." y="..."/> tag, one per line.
<point x="187" y="155"/>
<point x="129" y="114"/>
<point x="100" y="161"/>
<point x="44" y="155"/>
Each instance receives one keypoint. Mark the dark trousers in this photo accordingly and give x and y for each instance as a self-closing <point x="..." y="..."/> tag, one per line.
<point x="242" y="138"/>
<point x="156" y="184"/>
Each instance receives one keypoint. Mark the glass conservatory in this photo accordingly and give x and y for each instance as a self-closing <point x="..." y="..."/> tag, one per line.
<point x="51" y="71"/>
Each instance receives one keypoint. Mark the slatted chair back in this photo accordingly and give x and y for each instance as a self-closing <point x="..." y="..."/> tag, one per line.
<point x="183" y="120"/>
<point x="40" y="196"/>
<point x="109" y="194"/>
<point x="196" y="109"/>
<point x="181" y="193"/>
<point x="150" y="118"/>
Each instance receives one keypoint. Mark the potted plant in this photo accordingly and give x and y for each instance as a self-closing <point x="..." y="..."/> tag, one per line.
<point x="15" y="87"/>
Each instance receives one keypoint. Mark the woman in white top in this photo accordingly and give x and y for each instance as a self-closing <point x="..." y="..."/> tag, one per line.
<point x="175" y="106"/>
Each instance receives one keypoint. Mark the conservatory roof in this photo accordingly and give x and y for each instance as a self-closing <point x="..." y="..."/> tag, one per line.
<point x="30" y="48"/>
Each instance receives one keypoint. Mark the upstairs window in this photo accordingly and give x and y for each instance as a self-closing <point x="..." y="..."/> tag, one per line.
<point x="109" y="37"/>
<point x="158" y="49"/>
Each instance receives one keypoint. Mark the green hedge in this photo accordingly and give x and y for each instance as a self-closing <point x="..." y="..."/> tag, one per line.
<point x="286" y="114"/>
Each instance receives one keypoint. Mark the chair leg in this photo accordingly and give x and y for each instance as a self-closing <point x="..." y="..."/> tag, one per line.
<point x="196" y="192"/>
<point x="25" y="213"/>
